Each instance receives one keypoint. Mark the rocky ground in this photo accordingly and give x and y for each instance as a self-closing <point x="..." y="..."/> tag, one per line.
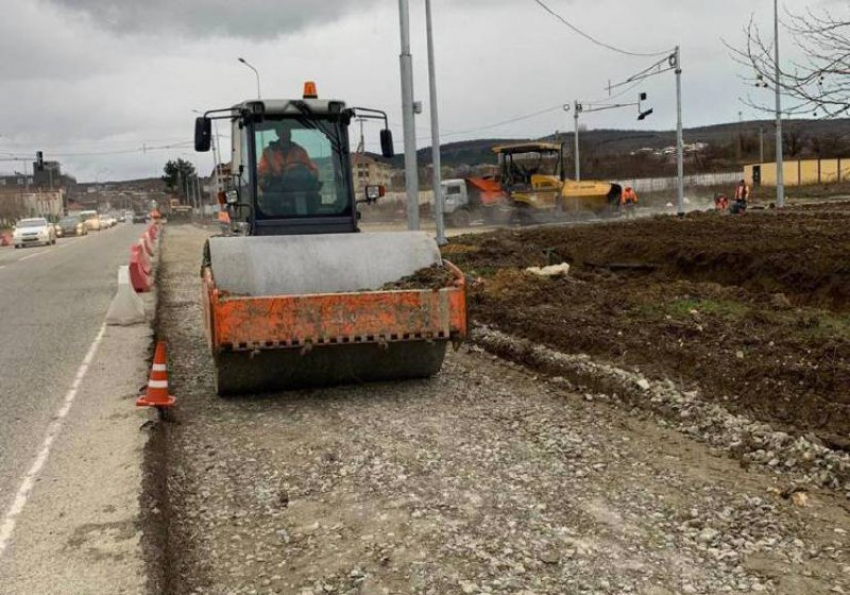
<point x="485" y="479"/>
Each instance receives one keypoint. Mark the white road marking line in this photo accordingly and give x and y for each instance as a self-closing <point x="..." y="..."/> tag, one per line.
<point x="53" y="430"/>
<point x="31" y="256"/>
<point x="3" y="267"/>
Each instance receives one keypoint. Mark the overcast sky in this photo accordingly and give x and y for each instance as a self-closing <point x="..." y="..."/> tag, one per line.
<point x="91" y="82"/>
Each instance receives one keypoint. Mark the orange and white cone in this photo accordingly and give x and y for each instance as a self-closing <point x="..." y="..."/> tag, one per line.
<point x="156" y="394"/>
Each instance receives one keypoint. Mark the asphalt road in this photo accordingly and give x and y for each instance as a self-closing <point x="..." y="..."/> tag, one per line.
<point x="52" y="304"/>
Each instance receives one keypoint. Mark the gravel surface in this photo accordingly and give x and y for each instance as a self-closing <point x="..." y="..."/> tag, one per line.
<point x="485" y="479"/>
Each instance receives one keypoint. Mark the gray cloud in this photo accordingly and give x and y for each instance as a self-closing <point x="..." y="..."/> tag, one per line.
<point x="254" y="19"/>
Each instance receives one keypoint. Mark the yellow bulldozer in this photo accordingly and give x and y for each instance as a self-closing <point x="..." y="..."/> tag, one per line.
<point x="532" y="176"/>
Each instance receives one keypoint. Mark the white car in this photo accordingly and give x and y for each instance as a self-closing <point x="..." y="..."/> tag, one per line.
<point x="34" y="232"/>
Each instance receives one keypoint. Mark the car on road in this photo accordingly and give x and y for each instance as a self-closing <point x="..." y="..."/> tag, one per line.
<point x="107" y="221"/>
<point x="72" y="225"/>
<point x="36" y="231"/>
<point x="92" y="220"/>
<point x="140" y="218"/>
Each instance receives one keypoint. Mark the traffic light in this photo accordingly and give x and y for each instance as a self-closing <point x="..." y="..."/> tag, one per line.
<point x="39" y="161"/>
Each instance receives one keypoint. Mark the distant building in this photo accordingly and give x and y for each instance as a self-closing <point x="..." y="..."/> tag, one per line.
<point x="50" y="175"/>
<point x="220" y="179"/>
<point x="370" y="172"/>
<point x="16" y="180"/>
<point x="17" y="203"/>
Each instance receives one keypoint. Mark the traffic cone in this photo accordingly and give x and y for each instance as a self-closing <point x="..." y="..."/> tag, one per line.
<point x="156" y="394"/>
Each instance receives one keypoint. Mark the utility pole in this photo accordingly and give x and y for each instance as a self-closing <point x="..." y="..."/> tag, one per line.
<point x="761" y="144"/>
<point x="780" y="173"/>
<point x="411" y="171"/>
<point x="437" y="181"/>
<point x="576" y="110"/>
<point x="680" y="143"/>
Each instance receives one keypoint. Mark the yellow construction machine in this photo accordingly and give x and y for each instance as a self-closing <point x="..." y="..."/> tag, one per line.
<point x="532" y="176"/>
<point x="293" y="294"/>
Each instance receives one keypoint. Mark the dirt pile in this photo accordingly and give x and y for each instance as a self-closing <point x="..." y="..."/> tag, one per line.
<point x="752" y="309"/>
<point x="433" y="277"/>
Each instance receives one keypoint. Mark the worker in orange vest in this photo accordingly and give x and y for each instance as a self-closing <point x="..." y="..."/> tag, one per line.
<point x="629" y="200"/>
<point x="742" y="198"/>
<point x="281" y="157"/>
<point x="224" y="220"/>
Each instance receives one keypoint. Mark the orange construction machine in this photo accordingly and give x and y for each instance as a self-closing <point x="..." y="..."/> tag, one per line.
<point x="293" y="295"/>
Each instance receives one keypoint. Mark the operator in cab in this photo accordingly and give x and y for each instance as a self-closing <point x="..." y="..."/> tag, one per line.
<point x="283" y="156"/>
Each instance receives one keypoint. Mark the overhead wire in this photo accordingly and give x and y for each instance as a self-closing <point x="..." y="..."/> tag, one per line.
<point x="594" y="40"/>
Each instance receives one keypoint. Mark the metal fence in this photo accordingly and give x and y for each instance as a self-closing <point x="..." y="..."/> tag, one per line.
<point x="664" y="184"/>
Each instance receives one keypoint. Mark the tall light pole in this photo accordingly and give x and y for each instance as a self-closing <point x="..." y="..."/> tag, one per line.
<point x="680" y="143"/>
<point x="411" y="172"/>
<point x="780" y="173"/>
<point x="435" y="131"/>
<point x="257" y="74"/>
<point x="576" y="155"/>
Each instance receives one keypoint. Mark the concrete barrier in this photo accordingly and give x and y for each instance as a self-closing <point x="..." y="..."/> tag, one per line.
<point x="127" y="307"/>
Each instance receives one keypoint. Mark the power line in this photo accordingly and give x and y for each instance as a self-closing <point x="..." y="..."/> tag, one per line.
<point x="505" y="122"/>
<point x="593" y="39"/>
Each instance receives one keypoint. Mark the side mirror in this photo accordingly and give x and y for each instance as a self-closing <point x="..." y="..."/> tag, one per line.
<point x="387" y="148"/>
<point x="373" y="193"/>
<point x="203" y="134"/>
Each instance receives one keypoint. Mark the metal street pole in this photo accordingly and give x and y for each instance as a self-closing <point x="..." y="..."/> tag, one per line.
<point x="437" y="181"/>
<point x="780" y="173"/>
<point x="411" y="172"/>
<point x="577" y="108"/>
<point x="680" y="143"/>
<point x="257" y="74"/>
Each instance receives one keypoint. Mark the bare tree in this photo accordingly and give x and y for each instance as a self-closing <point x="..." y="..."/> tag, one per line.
<point x="794" y="140"/>
<point x="820" y="82"/>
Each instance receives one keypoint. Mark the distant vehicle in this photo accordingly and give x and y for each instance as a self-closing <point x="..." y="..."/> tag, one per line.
<point x="34" y="232"/>
<point x="127" y="216"/>
<point x="140" y="218"/>
<point x="92" y="220"/>
<point x="72" y="225"/>
<point x="107" y="221"/>
<point x="471" y="198"/>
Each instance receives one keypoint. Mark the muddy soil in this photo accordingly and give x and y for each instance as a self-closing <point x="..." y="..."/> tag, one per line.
<point x="433" y="277"/>
<point x="753" y="310"/>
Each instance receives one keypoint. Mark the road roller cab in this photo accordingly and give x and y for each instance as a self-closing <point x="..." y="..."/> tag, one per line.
<point x="294" y="295"/>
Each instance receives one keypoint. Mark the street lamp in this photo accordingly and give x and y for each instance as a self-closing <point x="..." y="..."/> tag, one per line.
<point x="435" y="130"/>
<point x="257" y="74"/>
<point x="411" y="172"/>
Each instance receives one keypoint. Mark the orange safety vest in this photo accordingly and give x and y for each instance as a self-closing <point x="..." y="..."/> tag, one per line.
<point x="629" y="197"/>
<point x="275" y="162"/>
<point x="224" y="217"/>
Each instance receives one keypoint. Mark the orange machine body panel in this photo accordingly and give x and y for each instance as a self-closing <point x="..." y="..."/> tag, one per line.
<point x="236" y="323"/>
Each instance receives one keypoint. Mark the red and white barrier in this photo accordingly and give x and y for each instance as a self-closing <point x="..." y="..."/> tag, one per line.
<point x="140" y="280"/>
